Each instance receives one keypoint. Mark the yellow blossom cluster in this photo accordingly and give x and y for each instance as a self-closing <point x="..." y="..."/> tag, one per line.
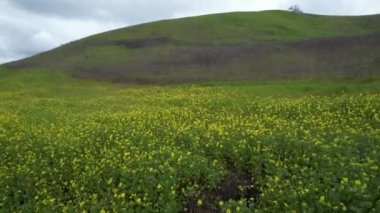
<point x="152" y="149"/>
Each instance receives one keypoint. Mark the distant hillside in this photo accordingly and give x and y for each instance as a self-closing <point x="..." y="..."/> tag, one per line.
<point x="269" y="45"/>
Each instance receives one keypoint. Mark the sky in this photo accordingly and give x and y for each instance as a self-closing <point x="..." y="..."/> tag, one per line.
<point x="28" y="27"/>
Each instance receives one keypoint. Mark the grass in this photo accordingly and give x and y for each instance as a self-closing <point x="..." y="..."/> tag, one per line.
<point x="246" y="27"/>
<point x="270" y="45"/>
<point x="58" y="83"/>
<point x="43" y="83"/>
<point x="74" y="145"/>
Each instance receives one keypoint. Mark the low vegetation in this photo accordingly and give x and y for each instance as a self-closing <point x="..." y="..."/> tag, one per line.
<point x="271" y="45"/>
<point x="70" y="145"/>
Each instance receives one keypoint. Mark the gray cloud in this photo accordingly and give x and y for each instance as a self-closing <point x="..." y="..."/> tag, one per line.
<point x="31" y="26"/>
<point x="24" y="33"/>
<point x="133" y="11"/>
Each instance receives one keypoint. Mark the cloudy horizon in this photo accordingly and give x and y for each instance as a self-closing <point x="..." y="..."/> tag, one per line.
<point x="30" y="27"/>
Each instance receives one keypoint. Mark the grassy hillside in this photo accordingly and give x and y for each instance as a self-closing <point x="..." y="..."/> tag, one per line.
<point x="268" y="45"/>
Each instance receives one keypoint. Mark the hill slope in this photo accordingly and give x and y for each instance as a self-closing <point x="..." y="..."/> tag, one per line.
<point x="267" y="45"/>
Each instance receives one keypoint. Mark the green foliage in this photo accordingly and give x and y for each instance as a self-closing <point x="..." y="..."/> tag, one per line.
<point x="247" y="27"/>
<point x="271" y="45"/>
<point x="98" y="147"/>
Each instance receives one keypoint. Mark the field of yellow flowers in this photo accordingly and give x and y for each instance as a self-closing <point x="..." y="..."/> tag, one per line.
<point x="187" y="148"/>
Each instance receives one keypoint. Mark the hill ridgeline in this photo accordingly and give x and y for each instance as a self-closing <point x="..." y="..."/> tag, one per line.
<point x="270" y="45"/>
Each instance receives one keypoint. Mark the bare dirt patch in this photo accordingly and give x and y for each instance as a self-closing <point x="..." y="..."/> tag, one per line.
<point x="234" y="186"/>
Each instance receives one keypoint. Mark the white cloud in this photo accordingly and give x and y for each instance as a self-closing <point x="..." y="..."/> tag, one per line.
<point x="23" y="33"/>
<point x="43" y="40"/>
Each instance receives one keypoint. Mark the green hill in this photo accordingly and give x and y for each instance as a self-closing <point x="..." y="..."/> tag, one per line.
<point x="269" y="45"/>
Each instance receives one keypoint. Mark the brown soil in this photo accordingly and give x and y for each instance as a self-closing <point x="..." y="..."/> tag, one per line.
<point x="233" y="186"/>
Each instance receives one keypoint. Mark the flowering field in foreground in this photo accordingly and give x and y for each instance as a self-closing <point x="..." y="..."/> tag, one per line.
<point x="190" y="148"/>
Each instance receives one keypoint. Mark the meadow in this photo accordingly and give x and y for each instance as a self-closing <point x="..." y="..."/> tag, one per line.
<point x="71" y="145"/>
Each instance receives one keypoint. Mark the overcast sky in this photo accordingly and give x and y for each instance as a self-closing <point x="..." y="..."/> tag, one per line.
<point x="28" y="27"/>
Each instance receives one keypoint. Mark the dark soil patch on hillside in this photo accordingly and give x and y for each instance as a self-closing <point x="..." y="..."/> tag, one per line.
<point x="349" y="57"/>
<point x="214" y="55"/>
<point x="137" y="43"/>
<point x="324" y="44"/>
<point x="219" y="55"/>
